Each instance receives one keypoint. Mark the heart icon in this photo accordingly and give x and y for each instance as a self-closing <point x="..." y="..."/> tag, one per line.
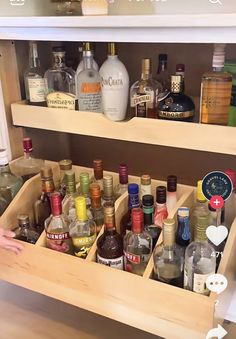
<point x="216" y="234"/>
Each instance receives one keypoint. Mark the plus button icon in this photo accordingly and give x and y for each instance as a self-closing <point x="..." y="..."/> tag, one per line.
<point x="217" y="202"/>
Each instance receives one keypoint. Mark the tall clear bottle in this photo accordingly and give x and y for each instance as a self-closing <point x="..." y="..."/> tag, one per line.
<point x="122" y="187"/>
<point x="35" y="84"/>
<point x="162" y="75"/>
<point x="160" y="209"/>
<point x="86" y="48"/>
<point x="171" y="198"/>
<point x="71" y="195"/>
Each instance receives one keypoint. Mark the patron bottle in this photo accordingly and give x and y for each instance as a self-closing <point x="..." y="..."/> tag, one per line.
<point x="122" y="187"/>
<point x="65" y="165"/>
<point x="171" y="198"/>
<point x="25" y="232"/>
<point x="149" y="226"/>
<point x="96" y="206"/>
<point x="160" y="209"/>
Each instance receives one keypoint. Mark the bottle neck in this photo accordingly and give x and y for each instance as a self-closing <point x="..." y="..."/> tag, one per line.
<point x="162" y="67"/>
<point x="84" y="188"/>
<point x="110" y="223"/>
<point x="59" y="61"/>
<point x="48" y="185"/>
<point x="70" y="187"/>
<point x="148" y="215"/>
<point x="27" y="154"/>
<point x="133" y="201"/>
<point x="81" y="212"/>
<point x="88" y="61"/>
<point x="5" y="168"/>
<point x="98" y="174"/>
<point x="168" y="238"/>
<point x="96" y="202"/>
<point x="145" y="76"/>
<point x="34" y="61"/>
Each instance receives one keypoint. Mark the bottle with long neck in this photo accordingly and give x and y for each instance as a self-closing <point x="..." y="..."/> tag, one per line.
<point x="71" y="194"/>
<point x="110" y="243"/>
<point x="84" y="188"/>
<point x="162" y="72"/>
<point x="98" y="173"/>
<point x="216" y="91"/>
<point x="160" y="209"/>
<point x="96" y="206"/>
<point x="145" y="185"/>
<point x="122" y="187"/>
<point x="65" y="165"/>
<point x="108" y="191"/>
<point x="87" y="47"/>
<point x="171" y="198"/>
<point x="148" y="211"/>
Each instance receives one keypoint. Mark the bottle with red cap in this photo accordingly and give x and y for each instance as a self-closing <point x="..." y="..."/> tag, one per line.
<point x="122" y="187"/>
<point x="57" y="227"/>
<point x="98" y="173"/>
<point x="137" y="245"/>
<point x="27" y="166"/>
<point x="230" y="203"/>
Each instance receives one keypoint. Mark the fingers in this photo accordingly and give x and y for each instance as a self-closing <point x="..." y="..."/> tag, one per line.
<point x="5" y="242"/>
<point x="13" y="249"/>
<point x="8" y="234"/>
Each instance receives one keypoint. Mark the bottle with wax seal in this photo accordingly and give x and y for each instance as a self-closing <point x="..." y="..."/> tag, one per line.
<point x="171" y="198"/>
<point x="122" y="187"/>
<point x="161" y="212"/>
<point x="96" y="206"/>
<point x="145" y="185"/>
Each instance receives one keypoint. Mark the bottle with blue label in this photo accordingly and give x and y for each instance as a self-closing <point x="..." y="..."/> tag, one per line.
<point x="183" y="228"/>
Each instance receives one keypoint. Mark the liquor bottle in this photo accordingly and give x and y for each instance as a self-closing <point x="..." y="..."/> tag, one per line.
<point x="66" y="8"/>
<point x="96" y="206"/>
<point x="162" y="75"/>
<point x="42" y="206"/>
<point x="168" y="257"/>
<point x="82" y="230"/>
<point x="61" y="82"/>
<point x="171" y="198"/>
<point x="122" y="187"/>
<point x="176" y="105"/>
<point x="71" y="194"/>
<point x="160" y="210"/>
<point x="27" y="166"/>
<point x="35" y="84"/>
<point x="57" y="227"/>
<point x="65" y="165"/>
<point x="25" y="232"/>
<point x="86" y="48"/>
<point x="230" y="66"/>
<point x="115" y="85"/>
<point x="88" y="85"/>
<point x="180" y="70"/>
<point x="145" y="186"/>
<point x="200" y="260"/>
<point x="148" y="211"/>
<point x="98" y="173"/>
<point x="183" y="228"/>
<point x="216" y="91"/>
<point x="108" y="191"/>
<point x="10" y="184"/>
<point x="137" y="245"/>
<point x="110" y="243"/>
<point x="133" y="202"/>
<point x="144" y="92"/>
<point x="84" y="187"/>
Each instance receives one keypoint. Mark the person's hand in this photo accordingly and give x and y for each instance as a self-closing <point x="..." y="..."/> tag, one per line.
<point x="7" y="242"/>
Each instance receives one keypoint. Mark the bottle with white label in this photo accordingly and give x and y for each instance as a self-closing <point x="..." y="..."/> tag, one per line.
<point x="35" y="85"/>
<point x="200" y="259"/>
<point x="110" y="244"/>
<point x="115" y="86"/>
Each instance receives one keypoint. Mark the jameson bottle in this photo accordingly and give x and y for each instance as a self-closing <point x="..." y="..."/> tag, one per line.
<point x="96" y="206"/>
<point x="148" y="211"/>
<point x="65" y="165"/>
<point x="160" y="209"/>
<point x="122" y="187"/>
<point x="110" y="243"/>
<point x="57" y="227"/>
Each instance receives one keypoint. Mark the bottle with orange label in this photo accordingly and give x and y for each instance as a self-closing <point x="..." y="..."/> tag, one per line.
<point x="88" y="85"/>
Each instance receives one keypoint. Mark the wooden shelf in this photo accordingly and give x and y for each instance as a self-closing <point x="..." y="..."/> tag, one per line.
<point x="209" y="138"/>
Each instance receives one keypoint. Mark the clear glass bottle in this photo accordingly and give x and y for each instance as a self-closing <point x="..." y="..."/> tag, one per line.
<point x="200" y="260"/>
<point x="137" y="245"/>
<point x="171" y="198"/>
<point x="25" y="232"/>
<point x="82" y="230"/>
<point x="145" y="185"/>
<point x="98" y="173"/>
<point x="180" y="70"/>
<point x="65" y="165"/>
<point x="61" y="82"/>
<point x="42" y="206"/>
<point x="87" y="47"/>
<point x="35" y="84"/>
<point x="10" y="184"/>
<point x="27" y="166"/>
<point x="144" y="92"/>
<point x="162" y="75"/>
<point x="84" y="187"/>
<point x="64" y="7"/>
<point x="108" y="189"/>
<point x="71" y="194"/>
<point x="57" y="227"/>
<point x="168" y="257"/>
<point x="216" y="90"/>
<point x="96" y="206"/>
<point x="122" y="187"/>
<point x="110" y="243"/>
<point x="88" y="86"/>
<point x="183" y="228"/>
<point x="176" y="105"/>
<point x="148" y="211"/>
<point x="160" y="209"/>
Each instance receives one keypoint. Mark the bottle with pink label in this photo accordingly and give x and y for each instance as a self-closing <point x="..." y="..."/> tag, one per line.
<point x="161" y="212"/>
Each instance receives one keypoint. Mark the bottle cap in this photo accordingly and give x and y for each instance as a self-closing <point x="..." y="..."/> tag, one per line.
<point x="84" y="178"/>
<point x="112" y="50"/>
<point x="146" y="179"/>
<point x="148" y="200"/>
<point x="46" y="172"/>
<point x="87" y="46"/>
<point x="133" y="189"/>
<point x="137" y="220"/>
<point x="219" y="56"/>
<point x="98" y="169"/>
<point x="27" y="145"/>
<point x="55" y="199"/>
<point x="180" y="68"/>
<point x="123" y="174"/>
<point x="80" y="206"/>
<point x="161" y="194"/>
<point x="23" y="219"/>
<point x="58" y="50"/>
<point x="108" y="186"/>
<point x="176" y="83"/>
<point x="171" y="183"/>
<point x="200" y="196"/>
<point x="232" y="174"/>
<point x="65" y="165"/>
<point x="163" y="57"/>
<point x="3" y="157"/>
<point x="183" y="212"/>
<point x="95" y="190"/>
<point x="70" y="181"/>
<point x="146" y="66"/>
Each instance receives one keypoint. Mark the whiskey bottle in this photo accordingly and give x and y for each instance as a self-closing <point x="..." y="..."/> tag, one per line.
<point x="144" y="92"/>
<point x="160" y="209"/>
<point x="162" y="75"/>
<point x="148" y="212"/>
<point x="65" y="165"/>
<point x="96" y="206"/>
<point x="171" y="198"/>
<point x="25" y="232"/>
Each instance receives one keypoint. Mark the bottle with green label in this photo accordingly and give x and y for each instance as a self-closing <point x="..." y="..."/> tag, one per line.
<point x="230" y="67"/>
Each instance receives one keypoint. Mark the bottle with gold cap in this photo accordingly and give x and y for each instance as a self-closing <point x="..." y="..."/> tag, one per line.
<point x="145" y="185"/>
<point x="144" y="92"/>
<point x="87" y="50"/>
<point x="108" y="190"/>
<point x="42" y="207"/>
<point x="115" y="85"/>
<point x="82" y="230"/>
<point x="71" y="194"/>
<point x="65" y="165"/>
<point x="110" y="243"/>
<point x="84" y="181"/>
<point x="176" y="105"/>
<point x="25" y="232"/>
<point x="96" y="206"/>
<point x="98" y="173"/>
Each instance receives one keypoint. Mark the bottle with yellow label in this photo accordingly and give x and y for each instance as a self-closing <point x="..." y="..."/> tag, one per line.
<point x="82" y="230"/>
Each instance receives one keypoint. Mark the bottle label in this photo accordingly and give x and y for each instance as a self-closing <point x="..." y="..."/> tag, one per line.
<point x="117" y="263"/>
<point x="58" y="241"/>
<point x="160" y="214"/>
<point x="83" y="245"/>
<point x="133" y="200"/>
<point x="199" y="283"/>
<point x="112" y="83"/>
<point x="175" y="115"/>
<point x="90" y="97"/>
<point x="61" y="100"/>
<point x="139" y="99"/>
<point x="142" y="102"/>
<point x="37" y="89"/>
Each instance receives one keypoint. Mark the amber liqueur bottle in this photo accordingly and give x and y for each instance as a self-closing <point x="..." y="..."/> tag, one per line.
<point x="96" y="206"/>
<point x="110" y="243"/>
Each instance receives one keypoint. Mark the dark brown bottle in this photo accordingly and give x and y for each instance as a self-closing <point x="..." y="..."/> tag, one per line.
<point x="110" y="244"/>
<point x="25" y="232"/>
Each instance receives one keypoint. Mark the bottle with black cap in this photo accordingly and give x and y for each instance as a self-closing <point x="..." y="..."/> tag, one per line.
<point x="171" y="198"/>
<point x="160" y="209"/>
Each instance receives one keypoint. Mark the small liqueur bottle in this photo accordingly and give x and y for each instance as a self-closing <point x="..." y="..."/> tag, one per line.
<point x="27" y="166"/>
<point x="230" y="202"/>
<point x="10" y="184"/>
<point x="35" y="84"/>
<point x="57" y="227"/>
<point x="84" y="188"/>
<point x="148" y="211"/>
<point x="61" y="82"/>
<point x="65" y="165"/>
<point x="216" y="91"/>
<point x="145" y="185"/>
<point x="162" y="75"/>
<point x="96" y="206"/>
<point x="42" y="206"/>
<point x="108" y="191"/>
<point x="180" y="70"/>
<point x="110" y="243"/>
<point x="133" y="202"/>
<point x="122" y="187"/>
<point x="160" y="210"/>
<point x="183" y="228"/>
<point x="115" y="85"/>
<point x="82" y="230"/>
<point x="176" y="105"/>
<point x="200" y="260"/>
<point x="168" y="257"/>
<point x="144" y="92"/>
<point x="137" y="245"/>
<point x="25" y="232"/>
<point x="98" y="173"/>
<point x="71" y="194"/>
<point x="86" y="48"/>
<point x="88" y="86"/>
<point x="171" y="198"/>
